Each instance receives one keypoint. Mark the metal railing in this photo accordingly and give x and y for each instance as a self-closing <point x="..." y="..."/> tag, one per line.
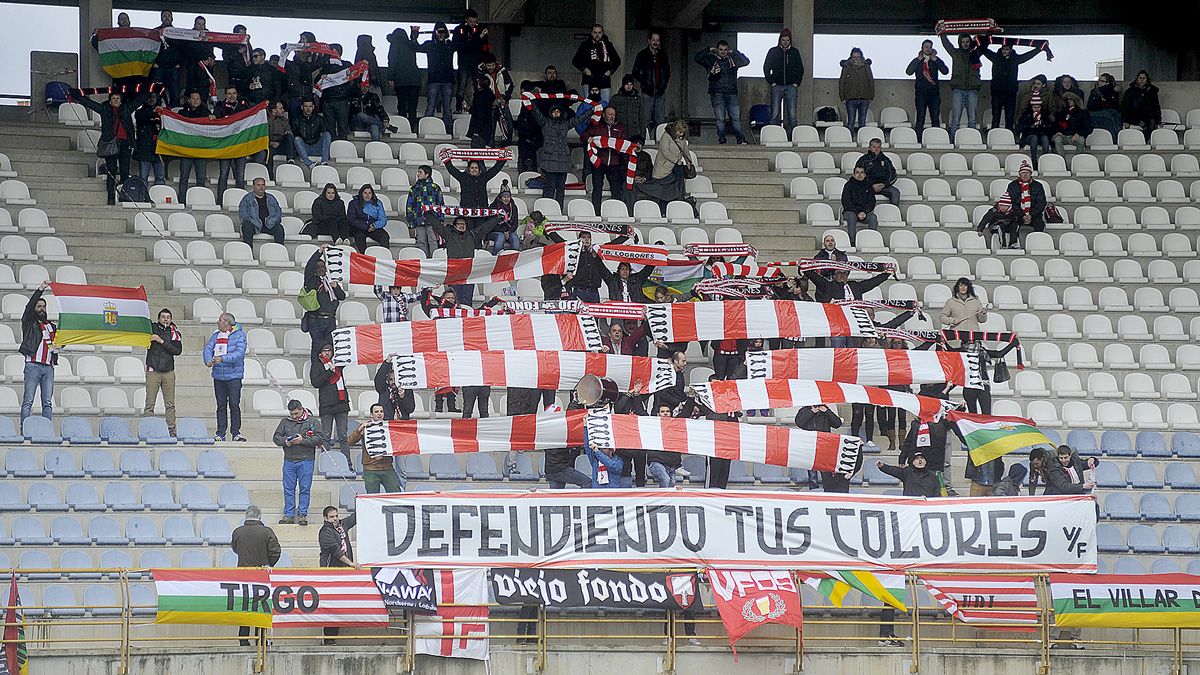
<point x="125" y="626"/>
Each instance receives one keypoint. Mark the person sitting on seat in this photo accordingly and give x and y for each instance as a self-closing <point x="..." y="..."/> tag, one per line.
<point x="259" y="213"/>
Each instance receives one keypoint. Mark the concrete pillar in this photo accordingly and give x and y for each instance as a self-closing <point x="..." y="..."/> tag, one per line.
<point x="93" y="14"/>
<point x="798" y="16"/>
<point x="611" y="15"/>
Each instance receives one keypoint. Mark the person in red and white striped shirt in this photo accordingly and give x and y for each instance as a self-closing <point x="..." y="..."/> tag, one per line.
<point x="37" y="345"/>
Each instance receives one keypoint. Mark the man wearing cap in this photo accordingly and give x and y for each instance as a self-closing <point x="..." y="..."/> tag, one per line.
<point x="1028" y="199"/>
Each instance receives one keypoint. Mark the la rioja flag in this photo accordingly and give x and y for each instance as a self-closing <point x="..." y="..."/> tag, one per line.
<point x="747" y="599"/>
<point x="460" y="628"/>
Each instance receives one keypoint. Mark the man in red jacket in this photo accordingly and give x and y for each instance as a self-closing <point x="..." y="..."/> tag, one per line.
<point x="612" y="163"/>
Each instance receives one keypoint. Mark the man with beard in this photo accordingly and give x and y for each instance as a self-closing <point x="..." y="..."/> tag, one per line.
<point x="37" y="345"/>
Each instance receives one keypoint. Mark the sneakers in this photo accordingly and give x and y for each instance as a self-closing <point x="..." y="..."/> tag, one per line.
<point x="287" y="520"/>
<point x="682" y="472"/>
<point x="742" y="141"/>
<point x="302" y="520"/>
<point x="890" y="642"/>
<point x="219" y="439"/>
<point x="693" y="642"/>
<point x="239" y="438"/>
<point x="721" y="140"/>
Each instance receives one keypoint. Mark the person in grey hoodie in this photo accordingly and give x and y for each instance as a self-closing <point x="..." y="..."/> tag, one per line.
<point x="964" y="81"/>
<point x="722" y="63"/>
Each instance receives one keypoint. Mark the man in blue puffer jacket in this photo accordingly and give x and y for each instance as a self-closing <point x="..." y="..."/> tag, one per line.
<point x="225" y="353"/>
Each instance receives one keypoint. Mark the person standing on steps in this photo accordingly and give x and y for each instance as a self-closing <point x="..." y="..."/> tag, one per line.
<point x="299" y="434"/>
<point x="333" y="399"/>
<point x="320" y="318"/>
<point x="37" y="346"/>
<point x="336" y="550"/>
<point x="256" y="546"/>
<point x="784" y="71"/>
<point x="225" y="353"/>
<point x="115" y="146"/>
<point x="165" y="344"/>
<point x="470" y="41"/>
<point x="440" y="75"/>
<point x="925" y="67"/>
<point x="722" y="63"/>
<point x="1005" y="65"/>
<point x="597" y="59"/>
<point x="379" y="473"/>
<point x="652" y="70"/>
<point x="964" y="81"/>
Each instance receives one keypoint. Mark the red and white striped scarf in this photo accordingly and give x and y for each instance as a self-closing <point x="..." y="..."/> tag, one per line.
<point x="212" y="81"/>
<point x="465" y="312"/>
<point x="916" y="336"/>
<point x="1009" y="600"/>
<point x="873" y="367"/>
<point x="346" y="266"/>
<point x="465" y="212"/>
<point x="602" y="227"/>
<point x="213" y="37"/>
<point x="322" y="48"/>
<point x="814" y="265"/>
<point x="359" y="71"/>
<point x="335" y="376"/>
<point x="45" y="350"/>
<point x="757" y="273"/>
<point x="476" y="154"/>
<point x="637" y="254"/>
<point x="750" y="319"/>
<point x="528" y="97"/>
<point x="556" y="370"/>
<point x="736" y="395"/>
<point x="548" y="332"/>
<point x="614" y="310"/>
<point x="729" y="288"/>
<point x="621" y="145"/>
<point x="718" y="250"/>
<point x="1026" y="197"/>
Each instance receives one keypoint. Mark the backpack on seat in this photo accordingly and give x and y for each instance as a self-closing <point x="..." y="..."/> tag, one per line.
<point x="760" y="116"/>
<point x="57" y="93"/>
<point x="827" y="114"/>
<point x="134" y="189"/>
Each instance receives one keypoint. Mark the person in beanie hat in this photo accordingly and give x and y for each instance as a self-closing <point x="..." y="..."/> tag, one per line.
<point x="627" y="103"/>
<point x="505" y="234"/>
<point x="784" y="71"/>
<point x="918" y="480"/>
<point x="1028" y="199"/>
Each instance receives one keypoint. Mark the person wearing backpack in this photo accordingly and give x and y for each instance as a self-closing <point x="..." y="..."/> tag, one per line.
<point x="320" y="300"/>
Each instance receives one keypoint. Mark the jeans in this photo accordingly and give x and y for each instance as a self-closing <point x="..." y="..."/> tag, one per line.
<point x="851" y="220"/>
<point x="728" y="111"/>
<point x="586" y="294"/>
<point x="321" y="147"/>
<point x="426" y="239"/>
<point x="248" y="232"/>
<point x="464" y="292"/>
<point x="164" y="382"/>
<point x="341" y="422"/>
<point x="653" y="113"/>
<point x="401" y="475"/>
<point x="238" y="166"/>
<point x="505" y="238"/>
<point x="159" y="168"/>
<point x="1036" y="142"/>
<point x="555" y="186"/>
<point x="930" y="102"/>
<point x="229" y="407"/>
<point x="441" y="94"/>
<point x="337" y="116"/>
<point x="960" y="100"/>
<point x="856" y="114"/>
<point x="1109" y="120"/>
<point x="406" y="104"/>
<point x="381" y="481"/>
<point x="573" y="476"/>
<point x="465" y="76"/>
<point x="371" y="124"/>
<point x="38" y="375"/>
<point x="1061" y="141"/>
<point x="616" y="184"/>
<point x="186" y="166"/>
<point x="892" y="193"/>
<point x="785" y="95"/>
<point x="1007" y="104"/>
<point x="296" y="471"/>
<point x="660" y="473"/>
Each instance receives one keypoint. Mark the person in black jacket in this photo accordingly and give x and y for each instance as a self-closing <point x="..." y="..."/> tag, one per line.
<point x="320" y="322"/>
<point x="261" y="80"/>
<point x="1005" y="64"/>
<point x="925" y="67"/>
<point x="403" y="72"/>
<point x="1104" y="105"/>
<point x="722" y="63"/>
<point x="238" y="61"/>
<point x="166" y="66"/>
<point x="256" y="546"/>
<point x="440" y="74"/>
<point x="858" y="204"/>
<point x="367" y="113"/>
<point x="471" y="42"/>
<point x="881" y="173"/>
<point x="652" y="70"/>
<point x="336" y="550"/>
<point x="824" y="418"/>
<point x="718" y="468"/>
<point x="165" y="344"/>
<point x="232" y="105"/>
<point x="917" y="478"/>
<point x="328" y="216"/>
<point x="597" y="59"/>
<point x="145" y="147"/>
<point x="1073" y="126"/>
<point x="195" y="108"/>
<point x="116" y="125"/>
<point x="398" y="404"/>
<point x="460" y="241"/>
<point x="472" y="183"/>
<point x="1140" y="107"/>
<point x="1027" y="199"/>
<point x="37" y="346"/>
<point x="841" y="288"/>
<point x="784" y="70"/>
<point x="310" y="133"/>
<point x="1066" y="476"/>
<point x="626" y="285"/>
<point x="301" y="73"/>
<point x="585" y="283"/>
<point x="333" y="398"/>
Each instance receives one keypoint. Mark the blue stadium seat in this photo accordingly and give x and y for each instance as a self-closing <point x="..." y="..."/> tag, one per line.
<point x="5" y="540"/>
<point x="10" y="498"/>
<point x="144" y="532"/>
<point x="1185" y="444"/>
<point x="61" y="602"/>
<point x="216" y="531"/>
<point x="581" y="464"/>
<point x="1109" y="539"/>
<point x="413" y="467"/>
<point x="79" y="431"/>
<point x="768" y="474"/>
<point x="142" y="601"/>
<point x="175" y="464"/>
<point x="798" y="476"/>
<point x="871" y="474"/>
<point x="445" y="467"/>
<point x="285" y="560"/>
<point x="119" y="497"/>
<point x="82" y="497"/>
<point x="347" y="493"/>
<point x="482" y="466"/>
<point x="525" y="471"/>
<point x="98" y="463"/>
<point x="8" y="432"/>
<point x="1178" y="539"/>
<point x="1193" y="566"/>
<point x="1142" y="476"/>
<point x="78" y="559"/>
<point x="1187" y="507"/>
<point x="136" y="463"/>
<point x="1143" y="539"/>
<point x="1101" y="566"/>
<point x="105" y="532"/>
<point x="1180" y="476"/>
<point x="194" y="558"/>
<point x="1151" y="444"/>
<point x="196" y="496"/>
<point x="1164" y="566"/>
<point x="39" y="430"/>
<point x="1128" y="565"/>
<point x="115" y="431"/>
<point x="1119" y="506"/>
<point x="212" y="463"/>
<point x="229" y="559"/>
<point x="180" y="532"/>
<point x="45" y="497"/>
<point x="739" y="473"/>
<point x="356" y="461"/>
<point x="1116" y="444"/>
<point x="193" y="431"/>
<point x="61" y="464"/>
<point x="334" y="465"/>
<point x="115" y="558"/>
<point x="68" y="531"/>
<point x="697" y="466"/>
<point x="154" y="431"/>
<point x="155" y="559"/>
<point x="28" y="531"/>
<point x="101" y="600"/>
<point x="1083" y="441"/>
<point x="156" y="495"/>
<point x="1154" y="506"/>
<point x="233" y="497"/>
<point x="37" y="560"/>
<point x="1052" y="434"/>
<point x="1108" y="475"/>
<point x="20" y="463"/>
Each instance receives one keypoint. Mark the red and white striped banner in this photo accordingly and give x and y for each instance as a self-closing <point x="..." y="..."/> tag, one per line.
<point x="614" y="309"/>
<point x="748" y="319"/>
<point x="530" y="369"/>
<point x="1008" y="600"/>
<point x="328" y="597"/>
<point x="548" y="332"/>
<point x="492" y="434"/>
<point x="621" y="145"/>
<point x="759" y="273"/>
<point x="874" y="367"/>
<point x="718" y="250"/>
<point x="736" y="395"/>
<point x="347" y="266"/>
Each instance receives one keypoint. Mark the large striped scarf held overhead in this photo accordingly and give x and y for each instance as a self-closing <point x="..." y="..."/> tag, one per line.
<point x="552" y="370"/>
<point x="719" y="250"/>
<point x="528" y="97"/>
<point x="758" y="273"/>
<point x="321" y="48"/>
<point x="987" y="336"/>
<point x="346" y="266"/>
<point x="624" y="146"/>
<point x="749" y="319"/>
<point x="189" y="35"/>
<point x="874" y="367"/>
<point x="618" y="229"/>
<point x="725" y="396"/>
<point x="548" y="332"/>
<point x="815" y="265"/>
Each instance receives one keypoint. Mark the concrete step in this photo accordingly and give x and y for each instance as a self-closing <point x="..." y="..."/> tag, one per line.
<point x="723" y="162"/>
<point x="32" y="141"/>
<point x="31" y="170"/>
<point x="731" y="191"/>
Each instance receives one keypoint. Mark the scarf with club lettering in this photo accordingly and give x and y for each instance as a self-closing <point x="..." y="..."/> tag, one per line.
<point x="907" y="305"/>
<point x="306" y="47"/>
<point x="447" y="210"/>
<point x="917" y="336"/>
<point x="729" y="288"/>
<point x="359" y="71"/>
<point x="815" y="265"/>
<point x="1037" y="43"/>
<point x="1011" y="339"/>
<point x="465" y="312"/>
<point x="614" y="310"/>
<point x="621" y="145"/>
<point x="476" y="154"/>
<point x="153" y="87"/>
<point x="190" y="35"/>
<point x="718" y="250"/>
<point x="528" y="97"/>
<point x="601" y="227"/>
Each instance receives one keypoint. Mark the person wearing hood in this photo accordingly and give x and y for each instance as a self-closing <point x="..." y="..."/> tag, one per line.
<point x="299" y="434"/>
<point x="439" y="92"/>
<point x="368" y="218"/>
<point x="856" y="88"/>
<point x="554" y="157"/>
<point x="652" y="70"/>
<point x="365" y="51"/>
<point x="1066" y="84"/>
<point x="403" y="72"/>
<point x="1140" y="107"/>
<point x="1005" y="65"/>
<point x="225" y="354"/>
<point x="964" y="80"/>
<point x="1011" y="485"/>
<point x="1104" y="105"/>
<point x="925" y="67"/>
<point x="597" y="59"/>
<point x="504" y="233"/>
<point x="627" y="103"/>
<point x="1073" y="126"/>
<point x="824" y="418"/>
<point x="917" y="479"/>
<point x="612" y="166"/>
<point x="470" y="42"/>
<point x="784" y="71"/>
<point x="424" y="192"/>
<point x="723" y="63"/>
<point x="328" y="216"/>
<point x="145" y="147"/>
<point x="333" y="398"/>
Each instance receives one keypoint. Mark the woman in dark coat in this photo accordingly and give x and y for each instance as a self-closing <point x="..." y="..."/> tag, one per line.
<point x="554" y="157"/>
<point x="1104" y="103"/>
<point x="328" y="216"/>
<point x="1139" y="107"/>
<point x="145" y="147"/>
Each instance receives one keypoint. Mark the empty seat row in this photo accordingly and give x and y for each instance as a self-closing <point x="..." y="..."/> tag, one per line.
<point x="82" y="496"/>
<point x="177" y="530"/>
<point x="1063" y="270"/>
<point x="986" y="164"/>
<point x="1152" y="506"/>
<point x="1068" y="384"/>
<point x="1153" y="357"/>
<point x="98" y="463"/>
<point x="1104" y="415"/>
<point x="1145" y="539"/>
